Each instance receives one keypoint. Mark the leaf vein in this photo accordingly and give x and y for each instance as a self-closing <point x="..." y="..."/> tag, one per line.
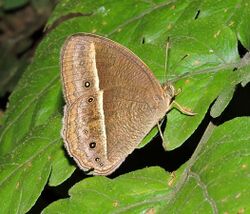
<point x="203" y="186"/>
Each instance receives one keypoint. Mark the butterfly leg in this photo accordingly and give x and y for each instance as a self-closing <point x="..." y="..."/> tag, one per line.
<point x="161" y="134"/>
<point x="182" y="109"/>
<point x="172" y="179"/>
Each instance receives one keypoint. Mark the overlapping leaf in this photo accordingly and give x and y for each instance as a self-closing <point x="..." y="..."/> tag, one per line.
<point x="216" y="181"/>
<point x="201" y="60"/>
<point x="25" y="170"/>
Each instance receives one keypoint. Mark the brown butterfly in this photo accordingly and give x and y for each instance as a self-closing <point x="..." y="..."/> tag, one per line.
<point x="112" y="101"/>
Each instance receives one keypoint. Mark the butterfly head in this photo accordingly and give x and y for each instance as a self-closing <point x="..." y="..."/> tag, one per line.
<point x="169" y="90"/>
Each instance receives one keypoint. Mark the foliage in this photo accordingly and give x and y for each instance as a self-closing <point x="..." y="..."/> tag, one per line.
<point x="203" y="61"/>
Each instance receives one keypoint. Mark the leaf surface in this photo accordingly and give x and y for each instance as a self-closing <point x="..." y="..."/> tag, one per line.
<point x="203" y="54"/>
<point x="25" y="170"/>
<point x="216" y="180"/>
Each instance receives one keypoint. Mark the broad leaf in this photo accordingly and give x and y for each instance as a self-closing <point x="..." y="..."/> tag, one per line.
<point x="215" y="181"/>
<point x="203" y="39"/>
<point x="25" y="170"/>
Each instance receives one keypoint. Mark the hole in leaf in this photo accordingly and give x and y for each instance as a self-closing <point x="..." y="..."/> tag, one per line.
<point x="143" y="40"/>
<point x="185" y="56"/>
<point x="197" y="14"/>
<point x="241" y="49"/>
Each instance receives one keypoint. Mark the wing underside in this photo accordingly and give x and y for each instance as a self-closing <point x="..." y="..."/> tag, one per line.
<point x="132" y="100"/>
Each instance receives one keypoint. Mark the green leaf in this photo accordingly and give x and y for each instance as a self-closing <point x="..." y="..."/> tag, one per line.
<point x="215" y="181"/>
<point x="242" y="75"/>
<point x="11" y="70"/>
<point x="61" y="168"/>
<point x="222" y="101"/>
<point x="136" y="191"/>
<point x="25" y="170"/>
<point x="203" y="54"/>
<point x="244" y="72"/>
<point x="187" y="35"/>
<point x="211" y="52"/>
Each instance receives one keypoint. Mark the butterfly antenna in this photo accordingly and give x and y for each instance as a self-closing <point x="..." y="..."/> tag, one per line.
<point x="166" y="60"/>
